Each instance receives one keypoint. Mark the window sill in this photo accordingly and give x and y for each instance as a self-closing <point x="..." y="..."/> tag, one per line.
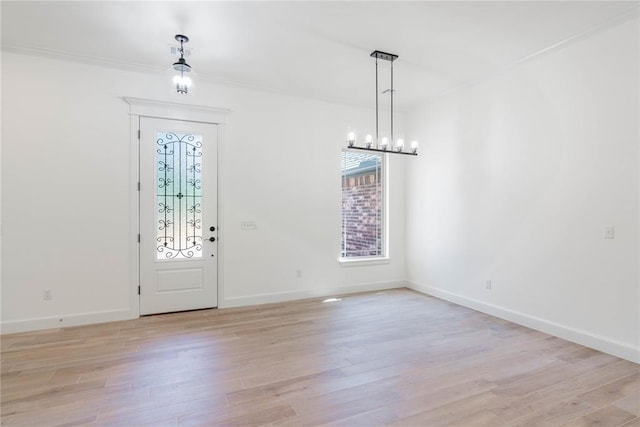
<point x="361" y="262"/>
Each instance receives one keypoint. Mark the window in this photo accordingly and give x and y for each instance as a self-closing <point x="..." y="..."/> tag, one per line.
<point x="178" y="195"/>
<point x="363" y="205"/>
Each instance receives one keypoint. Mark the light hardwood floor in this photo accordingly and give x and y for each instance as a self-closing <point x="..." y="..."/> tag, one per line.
<point x="394" y="357"/>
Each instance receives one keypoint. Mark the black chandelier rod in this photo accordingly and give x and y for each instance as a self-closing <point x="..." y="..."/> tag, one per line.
<point x="392" y="140"/>
<point x="377" y="101"/>
<point x="387" y="57"/>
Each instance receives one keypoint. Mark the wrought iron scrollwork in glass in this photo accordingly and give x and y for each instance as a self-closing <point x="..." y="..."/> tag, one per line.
<point x="179" y="195"/>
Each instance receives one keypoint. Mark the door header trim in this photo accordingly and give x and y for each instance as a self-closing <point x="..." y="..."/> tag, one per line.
<point x="176" y="111"/>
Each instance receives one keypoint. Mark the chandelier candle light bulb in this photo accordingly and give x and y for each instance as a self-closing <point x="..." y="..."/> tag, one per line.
<point x="351" y="138"/>
<point x="414" y="147"/>
<point x="368" y="140"/>
<point x="384" y="143"/>
<point x="399" y="144"/>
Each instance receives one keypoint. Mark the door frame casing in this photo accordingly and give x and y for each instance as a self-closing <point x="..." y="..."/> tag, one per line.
<point x="139" y="107"/>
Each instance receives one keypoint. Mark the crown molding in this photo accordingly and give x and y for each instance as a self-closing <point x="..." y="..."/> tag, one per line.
<point x="20" y="48"/>
<point x="629" y="14"/>
<point x="23" y="49"/>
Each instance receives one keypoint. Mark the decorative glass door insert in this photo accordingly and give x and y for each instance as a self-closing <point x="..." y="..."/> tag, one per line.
<point x="178" y="195"/>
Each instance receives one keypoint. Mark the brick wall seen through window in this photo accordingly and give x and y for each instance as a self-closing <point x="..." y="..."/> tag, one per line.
<point x="362" y="205"/>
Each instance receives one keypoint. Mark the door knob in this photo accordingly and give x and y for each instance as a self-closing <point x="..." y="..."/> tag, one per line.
<point x="212" y="229"/>
<point x="212" y="239"/>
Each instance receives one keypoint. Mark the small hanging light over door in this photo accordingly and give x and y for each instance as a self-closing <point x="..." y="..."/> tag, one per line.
<point x="182" y="71"/>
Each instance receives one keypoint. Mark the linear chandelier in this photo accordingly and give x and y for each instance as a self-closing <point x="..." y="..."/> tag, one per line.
<point x="382" y="145"/>
<point x="181" y="78"/>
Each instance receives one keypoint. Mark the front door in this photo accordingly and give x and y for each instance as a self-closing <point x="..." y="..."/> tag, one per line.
<point x="178" y="215"/>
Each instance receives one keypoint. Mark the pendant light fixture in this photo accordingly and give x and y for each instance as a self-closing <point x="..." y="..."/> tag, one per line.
<point x="382" y="145"/>
<point x="182" y="79"/>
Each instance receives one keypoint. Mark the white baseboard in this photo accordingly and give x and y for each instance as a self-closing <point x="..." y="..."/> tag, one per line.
<point x="28" y="325"/>
<point x="62" y="321"/>
<point x="311" y="293"/>
<point x="598" y="342"/>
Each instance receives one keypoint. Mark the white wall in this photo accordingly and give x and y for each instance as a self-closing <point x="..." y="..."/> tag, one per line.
<point x="516" y="179"/>
<point x="66" y="191"/>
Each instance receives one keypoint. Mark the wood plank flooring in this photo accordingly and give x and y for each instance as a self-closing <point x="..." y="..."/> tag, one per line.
<point x="382" y="358"/>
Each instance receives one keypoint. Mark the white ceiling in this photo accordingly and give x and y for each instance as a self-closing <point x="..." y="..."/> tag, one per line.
<point x="316" y="49"/>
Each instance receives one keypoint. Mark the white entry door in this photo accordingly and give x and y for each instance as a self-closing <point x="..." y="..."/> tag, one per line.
<point x="178" y="215"/>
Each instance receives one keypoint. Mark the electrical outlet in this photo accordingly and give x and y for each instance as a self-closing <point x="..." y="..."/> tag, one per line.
<point x="609" y="232"/>
<point x="46" y="295"/>
<point x="488" y="284"/>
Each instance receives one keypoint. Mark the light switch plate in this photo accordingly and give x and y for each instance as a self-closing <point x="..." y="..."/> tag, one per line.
<point x="248" y="225"/>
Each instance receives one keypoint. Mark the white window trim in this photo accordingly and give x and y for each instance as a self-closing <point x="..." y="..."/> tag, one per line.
<point x="384" y="258"/>
<point x="362" y="261"/>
